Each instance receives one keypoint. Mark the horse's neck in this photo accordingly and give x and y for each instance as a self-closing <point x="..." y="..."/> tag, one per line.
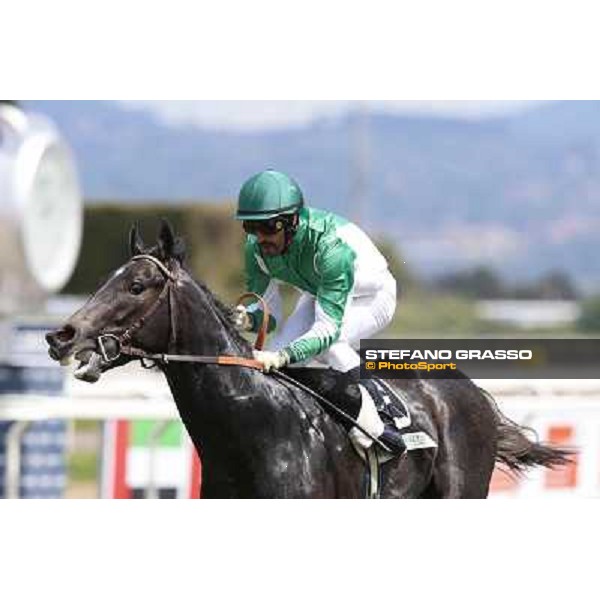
<point x="213" y="400"/>
<point x="204" y="390"/>
<point x="200" y="326"/>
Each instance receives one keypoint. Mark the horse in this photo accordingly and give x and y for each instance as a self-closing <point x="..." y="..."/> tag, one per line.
<point x="258" y="436"/>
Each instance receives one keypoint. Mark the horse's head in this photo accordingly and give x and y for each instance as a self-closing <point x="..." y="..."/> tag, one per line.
<point x="118" y="311"/>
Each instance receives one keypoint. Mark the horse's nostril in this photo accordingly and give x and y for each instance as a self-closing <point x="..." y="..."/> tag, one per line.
<point x="61" y="336"/>
<point x="66" y="334"/>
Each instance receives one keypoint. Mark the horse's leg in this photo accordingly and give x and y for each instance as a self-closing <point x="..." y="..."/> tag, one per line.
<point x="466" y="444"/>
<point x="469" y="480"/>
<point x="408" y="476"/>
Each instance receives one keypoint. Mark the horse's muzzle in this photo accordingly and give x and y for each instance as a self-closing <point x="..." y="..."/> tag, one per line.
<point x="61" y="342"/>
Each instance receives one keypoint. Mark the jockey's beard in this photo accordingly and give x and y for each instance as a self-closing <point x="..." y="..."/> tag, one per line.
<point x="269" y="249"/>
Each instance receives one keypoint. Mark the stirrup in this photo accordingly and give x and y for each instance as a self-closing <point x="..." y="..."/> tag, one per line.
<point x="392" y="438"/>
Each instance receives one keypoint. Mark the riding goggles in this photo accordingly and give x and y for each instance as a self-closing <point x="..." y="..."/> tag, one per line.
<point x="269" y="227"/>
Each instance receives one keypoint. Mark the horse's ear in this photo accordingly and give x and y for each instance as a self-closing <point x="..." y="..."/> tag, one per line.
<point x="166" y="239"/>
<point x="136" y="245"/>
<point x="170" y="246"/>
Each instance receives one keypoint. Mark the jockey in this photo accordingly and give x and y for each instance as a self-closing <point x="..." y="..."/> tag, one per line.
<point x="346" y="292"/>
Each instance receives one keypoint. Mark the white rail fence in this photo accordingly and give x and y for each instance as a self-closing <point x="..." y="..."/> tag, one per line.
<point x="131" y="394"/>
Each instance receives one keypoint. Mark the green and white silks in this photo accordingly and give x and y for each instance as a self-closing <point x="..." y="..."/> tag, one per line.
<point x="347" y="291"/>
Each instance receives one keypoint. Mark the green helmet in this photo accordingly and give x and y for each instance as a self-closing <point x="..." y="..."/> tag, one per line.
<point x="268" y="194"/>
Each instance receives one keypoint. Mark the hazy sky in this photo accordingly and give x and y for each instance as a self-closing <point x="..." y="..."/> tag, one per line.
<point x="258" y="114"/>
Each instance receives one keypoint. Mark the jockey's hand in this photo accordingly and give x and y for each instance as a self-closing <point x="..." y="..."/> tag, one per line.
<point x="272" y="360"/>
<point x="241" y="318"/>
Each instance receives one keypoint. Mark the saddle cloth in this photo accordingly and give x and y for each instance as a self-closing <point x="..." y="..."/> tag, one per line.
<point x="390" y="403"/>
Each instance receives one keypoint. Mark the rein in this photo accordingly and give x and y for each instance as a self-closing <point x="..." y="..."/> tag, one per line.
<point x="124" y="347"/>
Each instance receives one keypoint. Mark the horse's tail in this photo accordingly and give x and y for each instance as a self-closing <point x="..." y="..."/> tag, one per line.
<point x="517" y="451"/>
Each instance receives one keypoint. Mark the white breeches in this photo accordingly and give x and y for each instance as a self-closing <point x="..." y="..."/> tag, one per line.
<point x="364" y="316"/>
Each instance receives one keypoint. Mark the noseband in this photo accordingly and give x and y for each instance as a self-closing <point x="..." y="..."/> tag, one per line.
<point x="124" y="340"/>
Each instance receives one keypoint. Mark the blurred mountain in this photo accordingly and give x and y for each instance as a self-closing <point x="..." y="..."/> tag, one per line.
<point x="520" y="193"/>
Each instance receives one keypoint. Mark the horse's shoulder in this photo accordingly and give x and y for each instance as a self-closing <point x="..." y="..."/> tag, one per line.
<point x="285" y="396"/>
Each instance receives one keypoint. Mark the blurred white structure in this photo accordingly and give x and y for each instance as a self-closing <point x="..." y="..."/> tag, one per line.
<point x="529" y="314"/>
<point x="41" y="210"/>
<point x="41" y="225"/>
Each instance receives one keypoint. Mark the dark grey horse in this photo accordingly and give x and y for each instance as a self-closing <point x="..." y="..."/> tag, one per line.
<point x="257" y="436"/>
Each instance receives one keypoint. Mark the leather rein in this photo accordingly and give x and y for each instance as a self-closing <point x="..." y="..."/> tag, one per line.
<point x="124" y="340"/>
<point x="124" y="344"/>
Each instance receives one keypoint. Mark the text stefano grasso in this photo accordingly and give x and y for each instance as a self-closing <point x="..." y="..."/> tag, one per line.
<point x="460" y="354"/>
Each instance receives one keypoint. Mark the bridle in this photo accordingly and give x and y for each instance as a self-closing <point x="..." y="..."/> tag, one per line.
<point x="124" y="340"/>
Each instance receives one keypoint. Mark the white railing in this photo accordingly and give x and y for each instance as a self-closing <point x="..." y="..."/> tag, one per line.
<point x="129" y="393"/>
<point x="24" y="410"/>
<point x="31" y="407"/>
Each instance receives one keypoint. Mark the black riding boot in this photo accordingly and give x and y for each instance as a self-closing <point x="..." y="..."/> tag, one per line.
<point x="347" y="393"/>
<point x="342" y="390"/>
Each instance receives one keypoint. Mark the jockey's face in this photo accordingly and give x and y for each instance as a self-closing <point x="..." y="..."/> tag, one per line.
<point x="271" y="244"/>
<point x="269" y="233"/>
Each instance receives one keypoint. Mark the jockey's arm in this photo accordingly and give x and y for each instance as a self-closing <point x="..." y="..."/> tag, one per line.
<point x="335" y="265"/>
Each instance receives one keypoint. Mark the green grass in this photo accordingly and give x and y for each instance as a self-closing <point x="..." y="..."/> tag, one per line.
<point x="86" y="425"/>
<point x="83" y="466"/>
<point x="425" y="314"/>
<point x="83" y="462"/>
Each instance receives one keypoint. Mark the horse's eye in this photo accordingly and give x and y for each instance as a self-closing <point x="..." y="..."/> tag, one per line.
<point x="136" y="288"/>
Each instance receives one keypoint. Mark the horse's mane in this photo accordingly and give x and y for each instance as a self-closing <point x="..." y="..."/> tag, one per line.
<point x="225" y="312"/>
